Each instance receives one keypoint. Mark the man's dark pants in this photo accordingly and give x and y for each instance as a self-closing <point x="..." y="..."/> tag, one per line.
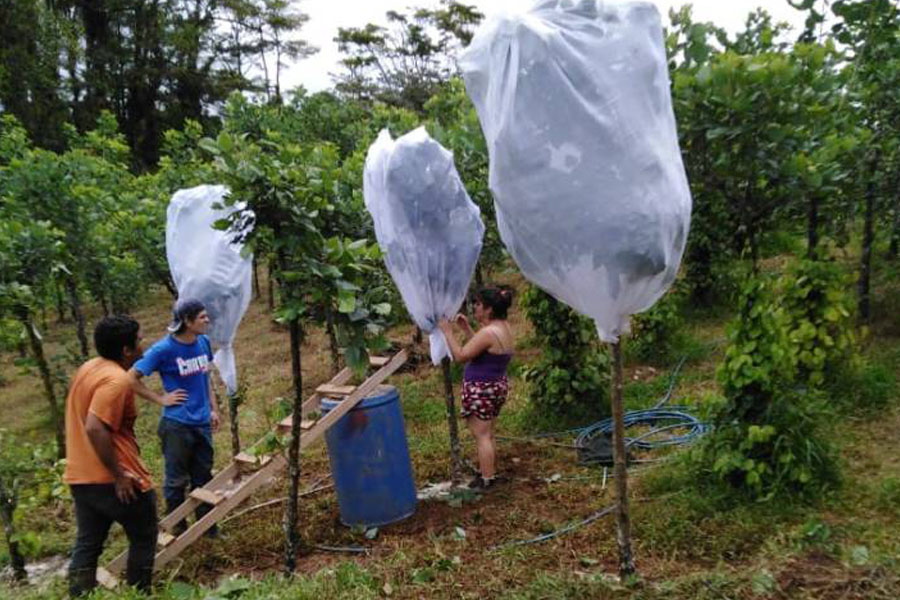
<point x="188" y="453"/>
<point x="96" y="509"/>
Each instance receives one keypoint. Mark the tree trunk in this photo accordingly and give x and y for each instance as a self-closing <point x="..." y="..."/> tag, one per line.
<point x="60" y="303"/>
<point x="291" y="534"/>
<point x="456" y="465"/>
<point x="7" y="510"/>
<point x="78" y="315"/>
<point x="234" y="401"/>
<point x="37" y="352"/>
<point x="865" y="261"/>
<point x="332" y="340"/>
<point x="894" y="250"/>
<point x="812" y="227"/>
<point x="479" y="275"/>
<point x="256" y="288"/>
<point x="623" y="521"/>
<point x="271" y="282"/>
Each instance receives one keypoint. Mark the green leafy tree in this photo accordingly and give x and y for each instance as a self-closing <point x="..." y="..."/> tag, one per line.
<point x="871" y="32"/>
<point x="284" y="193"/>
<point x="28" y="252"/>
<point x="405" y="63"/>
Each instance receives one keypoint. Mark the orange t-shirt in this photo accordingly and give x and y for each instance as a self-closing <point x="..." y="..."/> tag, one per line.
<point x="102" y="387"/>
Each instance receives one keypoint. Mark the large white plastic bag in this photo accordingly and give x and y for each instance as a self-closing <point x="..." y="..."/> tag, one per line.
<point x="591" y="195"/>
<point x="205" y="265"/>
<point x="427" y="227"/>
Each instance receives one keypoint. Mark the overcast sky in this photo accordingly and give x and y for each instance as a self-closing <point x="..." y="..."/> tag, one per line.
<point x="325" y="16"/>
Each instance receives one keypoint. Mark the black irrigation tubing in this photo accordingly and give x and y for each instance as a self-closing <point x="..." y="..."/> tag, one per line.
<point x="543" y="538"/>
<point x="662" y="402"/>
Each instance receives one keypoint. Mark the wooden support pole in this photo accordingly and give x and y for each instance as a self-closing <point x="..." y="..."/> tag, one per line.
<point x="456" y="466"/>
<point x="623" y="521"/>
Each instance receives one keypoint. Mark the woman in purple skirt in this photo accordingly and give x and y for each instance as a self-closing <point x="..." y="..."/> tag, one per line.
<point x="487" y="353"/>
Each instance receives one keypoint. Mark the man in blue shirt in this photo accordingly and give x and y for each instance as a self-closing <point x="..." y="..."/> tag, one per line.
<point x="183" y="359"/>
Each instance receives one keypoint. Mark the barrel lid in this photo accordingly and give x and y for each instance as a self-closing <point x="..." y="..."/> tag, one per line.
<point x="381" y="395"/>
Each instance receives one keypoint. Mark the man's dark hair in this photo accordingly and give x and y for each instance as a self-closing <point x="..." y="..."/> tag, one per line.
<point x="114" y="333"/>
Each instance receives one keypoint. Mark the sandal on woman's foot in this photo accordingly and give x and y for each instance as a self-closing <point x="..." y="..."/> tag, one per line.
<point x="478" y="483"/>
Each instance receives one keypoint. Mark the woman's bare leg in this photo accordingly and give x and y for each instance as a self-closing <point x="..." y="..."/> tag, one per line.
<point x="483" y="432"/>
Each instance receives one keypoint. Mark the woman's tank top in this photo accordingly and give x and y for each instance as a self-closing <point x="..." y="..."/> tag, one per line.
<point x="487" y="366"/>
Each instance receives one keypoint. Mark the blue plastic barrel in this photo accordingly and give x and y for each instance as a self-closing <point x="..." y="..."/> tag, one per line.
<point x="370" y="460"/>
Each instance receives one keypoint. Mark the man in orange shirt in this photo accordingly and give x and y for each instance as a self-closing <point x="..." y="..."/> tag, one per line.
<point x="108" y="479"/>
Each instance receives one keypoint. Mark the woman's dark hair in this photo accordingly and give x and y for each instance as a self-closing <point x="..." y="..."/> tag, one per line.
<point x="114" y="333"/>
<point x="498" y="299"/>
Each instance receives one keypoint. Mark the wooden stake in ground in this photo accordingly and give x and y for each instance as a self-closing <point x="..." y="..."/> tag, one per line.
<point x="291" y="534"/>
<point x="623" y="521"/>
<point x="455" y="458"/>
<point x="234" y="401"/>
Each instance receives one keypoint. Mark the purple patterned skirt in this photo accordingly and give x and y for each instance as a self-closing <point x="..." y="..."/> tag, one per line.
<point x="484" y="399"/>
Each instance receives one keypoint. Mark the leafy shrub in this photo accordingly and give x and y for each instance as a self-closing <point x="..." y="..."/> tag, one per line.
<point x="654" y="333"/>
<point x="572" y="376"/>
<point x="768" y="436"/>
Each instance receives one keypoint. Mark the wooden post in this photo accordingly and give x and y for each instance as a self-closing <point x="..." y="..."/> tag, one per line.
<point x="455" y="458"/>
<point x="234" y="401"/>
<point x="623" y="521"/>
<point x="292" y="507"/>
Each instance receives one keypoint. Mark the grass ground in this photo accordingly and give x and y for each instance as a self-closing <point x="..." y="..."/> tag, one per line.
<point x="689" y="542"/>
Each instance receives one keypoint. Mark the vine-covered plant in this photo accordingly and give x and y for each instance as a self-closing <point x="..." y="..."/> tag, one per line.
<point x="767" y="438"/>
<point x="572" y="376"/>
<point x="819" y="307"/>
<point x="655" y="331"/>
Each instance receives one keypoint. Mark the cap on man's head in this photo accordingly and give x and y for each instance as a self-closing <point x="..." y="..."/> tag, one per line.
<point x="185" y="309"/>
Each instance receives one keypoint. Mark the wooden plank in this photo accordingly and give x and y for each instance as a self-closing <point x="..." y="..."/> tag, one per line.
<point x="312" y="403"/>
<point x="286" y="423"/>
<point x="219" y="481"/>
<point x="363" y="390"/>
<point x="164" y="539"/>
<point x="378" y="361"/>
<point x="247" y="487"/>
<point x="329" y="389"/>
<point x="246" y="458"/>
<point x="106" y="579"/>
<point x="208" y="496"/>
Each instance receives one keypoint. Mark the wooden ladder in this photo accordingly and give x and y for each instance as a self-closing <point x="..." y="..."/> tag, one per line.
<point x="247" y="473"/>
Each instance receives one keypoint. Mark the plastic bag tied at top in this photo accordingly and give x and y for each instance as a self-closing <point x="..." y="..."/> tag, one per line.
<point x="427" y="227"/>
<point x="591" y="195"/>
<point x="207" y="266"/>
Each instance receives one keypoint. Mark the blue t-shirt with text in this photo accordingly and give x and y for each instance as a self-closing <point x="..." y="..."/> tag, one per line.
<point x="182" y="366"/>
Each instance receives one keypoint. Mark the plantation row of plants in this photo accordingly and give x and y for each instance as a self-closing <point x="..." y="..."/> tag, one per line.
<point x="782" y="141"/>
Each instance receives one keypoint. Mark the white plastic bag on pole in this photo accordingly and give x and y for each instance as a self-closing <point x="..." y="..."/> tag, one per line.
<point x="591" y="194"/>
<point x="427" y="227"/>
<point x="205" y="265"/>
